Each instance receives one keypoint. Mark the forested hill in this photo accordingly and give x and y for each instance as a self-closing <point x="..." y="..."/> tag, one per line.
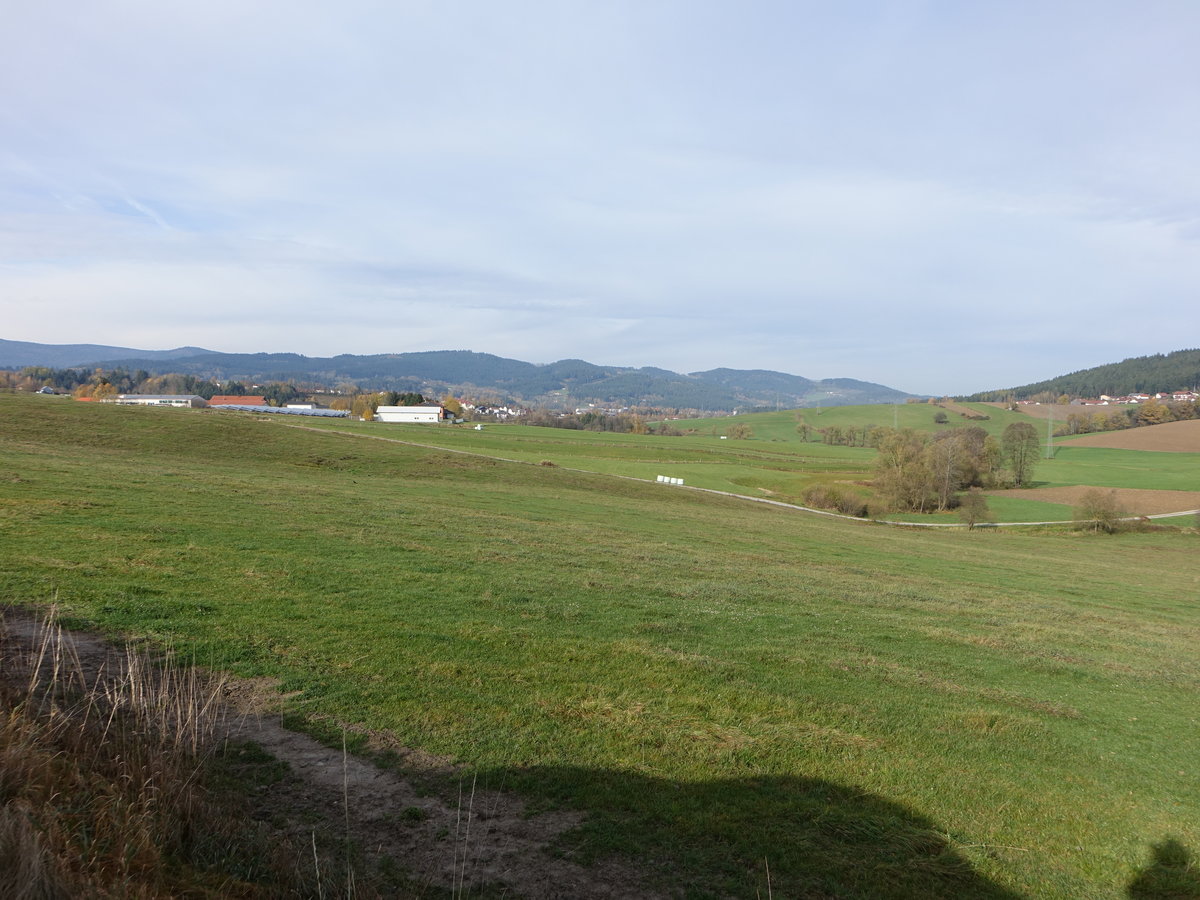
<point x="566" y="383"/>
<point x="17" y="354"/>
<point x="1145" y="374"/>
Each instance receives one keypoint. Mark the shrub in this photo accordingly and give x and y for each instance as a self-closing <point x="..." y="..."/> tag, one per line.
<point x="1100" y="511"/>
<point x="821" y="496"/>
<point x="973" y="508"/>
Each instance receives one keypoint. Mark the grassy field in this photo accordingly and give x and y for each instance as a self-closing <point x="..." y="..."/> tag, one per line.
<point x="1120" y="469"/>
<point x="776" y="464"/>
<point x="781" y="426"/>
<point x="781" y="470"/>
<point x="722" y="686"/>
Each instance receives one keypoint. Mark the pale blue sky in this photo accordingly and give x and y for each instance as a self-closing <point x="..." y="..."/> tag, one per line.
<point x="939" y="196"/>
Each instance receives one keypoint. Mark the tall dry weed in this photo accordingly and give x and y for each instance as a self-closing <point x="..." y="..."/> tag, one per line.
<point x="101" y="767"/>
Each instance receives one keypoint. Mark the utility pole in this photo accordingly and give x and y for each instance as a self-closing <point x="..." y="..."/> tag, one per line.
<point x="1050" y="434"/>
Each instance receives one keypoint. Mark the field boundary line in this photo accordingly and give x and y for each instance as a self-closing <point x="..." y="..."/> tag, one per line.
<point x="730" y="494"/>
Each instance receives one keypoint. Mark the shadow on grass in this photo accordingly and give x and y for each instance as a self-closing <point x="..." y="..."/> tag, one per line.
<point x="1170" y="875"/>
<point x="720" y="838"/>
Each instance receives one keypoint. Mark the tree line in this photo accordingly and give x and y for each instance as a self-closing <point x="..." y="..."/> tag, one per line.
<point x="919" y="472"/>
<point x="613" y="423"/>
<point x="1149" y="412"/>
<point x="102" y="384"/>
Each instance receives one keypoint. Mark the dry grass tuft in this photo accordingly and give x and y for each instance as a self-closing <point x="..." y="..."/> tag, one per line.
<point x="101" y="781"/>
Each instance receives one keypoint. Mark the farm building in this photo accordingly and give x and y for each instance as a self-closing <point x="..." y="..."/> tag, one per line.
<point x="291" y="410"/>
<point x="409" y="414"/>
<point x="237" y="400"/>
<point x="193" y="400"/>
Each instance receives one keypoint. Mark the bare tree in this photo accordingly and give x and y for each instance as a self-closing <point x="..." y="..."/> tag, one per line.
<point x="1020" y="445"/>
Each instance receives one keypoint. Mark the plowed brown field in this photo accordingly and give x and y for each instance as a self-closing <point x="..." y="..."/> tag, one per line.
<point x="1173" y="437"/>
<point x="1134" y="502"/>
<point x="1041" y="411"/>
<point x="956" y="409"/>
<point x="1058" y="412"/>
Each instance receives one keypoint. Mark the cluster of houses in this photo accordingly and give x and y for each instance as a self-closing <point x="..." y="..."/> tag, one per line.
<point x="601" y="410"/>
<point x="496" y="412"/>
<point x="1106" y="400"/>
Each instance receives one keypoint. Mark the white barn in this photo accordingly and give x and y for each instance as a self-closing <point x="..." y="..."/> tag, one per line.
<point x="409" y="414"/>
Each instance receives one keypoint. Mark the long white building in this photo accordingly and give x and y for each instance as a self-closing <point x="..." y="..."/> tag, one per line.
<point x="192" y="400"/>
<point x="425" y="414"/>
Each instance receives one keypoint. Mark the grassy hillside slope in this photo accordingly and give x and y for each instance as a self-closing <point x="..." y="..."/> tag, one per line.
<point x="777" y="464"/>
<point x="781" y="426"/>
<point x="722" y="686"/>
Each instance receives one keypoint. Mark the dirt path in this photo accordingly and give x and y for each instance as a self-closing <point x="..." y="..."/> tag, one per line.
<point x="486" y="838"/>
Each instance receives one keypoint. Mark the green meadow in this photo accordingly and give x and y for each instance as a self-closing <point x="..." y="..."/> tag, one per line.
<point x="776" y="464"/>
<point x="723" y="687"/>
<point x="755" y="468"/>
<point x="918" y="416"/>
<point x="1103" y="467"/>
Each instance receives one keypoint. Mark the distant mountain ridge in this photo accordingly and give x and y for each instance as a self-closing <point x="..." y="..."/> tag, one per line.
<point x="1146" y="374"/>
<point x="18" y="354"/>
<point x="565" y="383"/>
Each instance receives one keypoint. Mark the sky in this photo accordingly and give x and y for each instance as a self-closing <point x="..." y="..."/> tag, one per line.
<point x="943" y="197"/>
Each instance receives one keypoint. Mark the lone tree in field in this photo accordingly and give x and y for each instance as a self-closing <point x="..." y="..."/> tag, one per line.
<point x="1020" y="446"/>
<point x="1100" y="511"/>
<point x="973" y="508"/>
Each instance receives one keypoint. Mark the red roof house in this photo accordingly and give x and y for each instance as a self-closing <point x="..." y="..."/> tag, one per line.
<point x="234" y="400"/>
